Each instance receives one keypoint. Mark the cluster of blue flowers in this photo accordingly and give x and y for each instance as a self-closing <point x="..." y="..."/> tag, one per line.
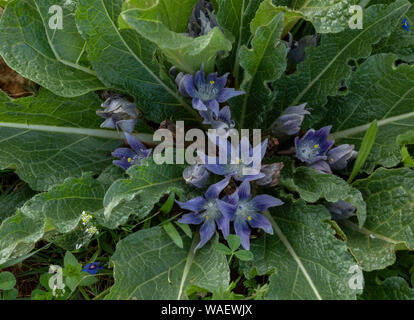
<point x="211" y="210"/>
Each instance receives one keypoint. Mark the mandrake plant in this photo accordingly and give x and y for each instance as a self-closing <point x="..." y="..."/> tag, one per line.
<point x="334" y="198"/>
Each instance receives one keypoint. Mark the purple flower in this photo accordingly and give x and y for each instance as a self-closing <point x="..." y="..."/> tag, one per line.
<point x="119" y="113"/>
<point x="314" y="145"/>
<point x="271" y="174"/>
<point x="405" y="25"/>
<point x="209" y="211"/>
<point x="338" y="157"/>
<point x="203" y="20"/>
<point x="321" y="166"/>
<point x="340" y="210"/>
<point x="290" y="121"/>
<point x="222" y="121"/>
<point x="240" y="163"/>
<point x="206" y="93"/>
<point x="196" y="175"/>
<point x="248" y="212"/>
<point x="93" y="267"/>
<point x="131" y="157"/>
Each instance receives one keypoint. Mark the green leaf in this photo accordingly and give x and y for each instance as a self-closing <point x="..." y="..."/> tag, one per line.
<point x="406" y="157"/>
<point x="167" y="206"/>
<point x="18" y="234"/>
<point x="186" y="229"/>
<point x="223" y="249"/>
<point x="48" y="138"/>
<point x="15" y="199"/>
<point x="352" y="114"/>
<point x="51" y="57"/>
<point x="389" y="195"/>
<point x="244" y="255"/>
<point x="148" y="183"/>
<point x="325" y="66"/>
<point x="392" y="288"/>
<point x="148" y="265"/>
<point x="310" y="262"/>
<point x="7" y="280"/>
<point x="173" y="234"/>
<point x="313" y="186"/>
<point x="70" y="260"/>
<point x="11" y="294"/>
<point x="263" y="63"/>
<point x="233" y="242"/>
<point x="186" y="53"/>
<point x="366" y="146"/>
<point x="125" y="61"/>
<point x="63" y="205"/>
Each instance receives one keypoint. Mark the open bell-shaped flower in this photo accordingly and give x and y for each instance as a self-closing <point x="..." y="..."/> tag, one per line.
<point x="314" y="145"/>
<point x="338" y="157"/>
<point x="209" y="210"/>
<point x="132" y="156"/>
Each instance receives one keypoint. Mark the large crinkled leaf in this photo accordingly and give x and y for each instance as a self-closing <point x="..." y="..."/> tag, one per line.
<point x="389" y="195"/>
<point x="186" y="53"/>
<point x="313" y="186"/>
<point x="149" y="265"/>
<point x="51" y="57"/>
<point x="392" y="288"/>
<point x="308" y="260"/>
<point x="137" y="195"/>
<point x="378" y="90"/>
<point x="125" y="61"/>
<point x="320" y="75"/>
<point x="263" y="63"/>
<point x="235" y="17"/>
<point x="63" y="205"/>
<point x="18" y="235"/>
<point x="9" y="202"/>
<point x="49" y="138"/>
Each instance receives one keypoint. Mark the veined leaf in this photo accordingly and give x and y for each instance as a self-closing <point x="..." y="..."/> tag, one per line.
<point x="312" y="186"/>
<point x="54" y="58"/>
<point x="125" y="61"/>
<point x="392" y="288"/>
<point x="351" y="115"/>
<point x="310" y="263"/>
<point x="186" y="53"/>
<point x="147" y="184"/>
<point x="325" y="66"/>
<point x="263" y="63"/>
<point x="148" y="265"/>
<point x="389" y="194"/>
<point x="13" y="200"/>
<point x="49" y="138"/>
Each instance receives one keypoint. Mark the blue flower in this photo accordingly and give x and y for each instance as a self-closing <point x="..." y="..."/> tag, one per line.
<point x="238" y="165"/>
<point x="209" y="210"/>
<point x="405" y="25"/>
<point x="314" y="145"/>
<point x="196" y="175"/>
<point x="248" y="212"/>
<point x="130" y="157"/>
<point x="119" y="113"/>
<point x="340" y="210"/>
<point x="290" y="122"/>
<point x="206" y="93"/>
<point x="93" y="267"/>
<point x="338" y="157"/>
<point x="222" y="121"/>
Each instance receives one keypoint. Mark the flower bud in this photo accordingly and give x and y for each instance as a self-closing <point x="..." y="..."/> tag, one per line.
<point x="272" y="174"/>
<point x="338" y="157"/>
<point x="196" y="175"/>
<point x="321" y="166"/>
<point x="290" y="122"/>
<point x="340" y="210"/>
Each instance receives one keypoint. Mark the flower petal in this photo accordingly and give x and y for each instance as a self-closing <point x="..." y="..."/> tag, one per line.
<point x="188" y="84"/>
<point x="191" y="218"/>
<point x="213" y="106"/>
<point x="260" y="221"/>
<point x="134" y="143"/>
<point x="123" y="153"/>
<point x="123" y="163"/>
<point x="264" y="201"/>
<point x="244" y="190"/>
<point x="214" y="190"/>
<point x="199" y="105"/>
<point x="194" y="205"/>
<point x="228" y="93"/>
<point x="223" y="223"/>
<point x="207" y="230"/>
<point x="243" y="231"/>
<point x="228" y="210"/>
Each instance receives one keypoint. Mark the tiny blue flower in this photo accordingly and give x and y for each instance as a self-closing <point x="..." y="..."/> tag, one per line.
<point x="290" y="122"/>
<point x="196" y="175"/>
<point x="209" y="210"/>
<point x="405" y="25"/>
<point x="93" y="267"/>
<point x="119" y="113"/>
<point x="314" y="145"/>
<point x="206" y="93"/>
<point x="236" y="165"/>
<point x="248" y="212"/>
<point x="340" y="210"/>
<point x="130" y="157"/>
<point x="338" y="157"/>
